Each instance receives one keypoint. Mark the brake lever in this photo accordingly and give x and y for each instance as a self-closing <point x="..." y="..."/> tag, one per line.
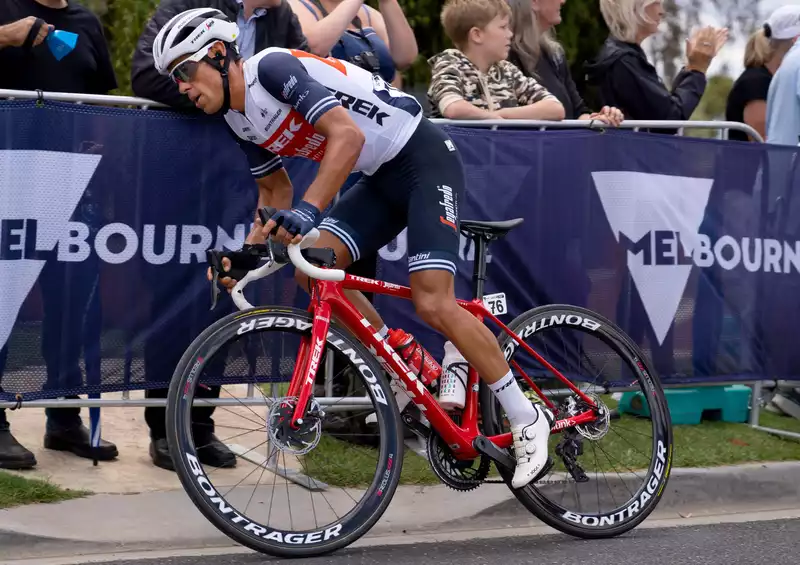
<point x="216" y="264"/>
<point x="214" y="288"/>
<point x="265" y="213"/>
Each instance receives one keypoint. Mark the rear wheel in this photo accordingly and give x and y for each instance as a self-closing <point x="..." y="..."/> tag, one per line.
<point x="609" y="475"/>
<point x="335" y="490"/>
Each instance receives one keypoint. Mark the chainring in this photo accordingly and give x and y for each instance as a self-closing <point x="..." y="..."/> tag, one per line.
<point x="454" y="473"/>
<point x="291" y="440"/>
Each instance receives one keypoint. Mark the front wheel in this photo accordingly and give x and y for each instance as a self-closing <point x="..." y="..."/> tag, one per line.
<point x="334" y="485"/>
<point x="609" y="475"/>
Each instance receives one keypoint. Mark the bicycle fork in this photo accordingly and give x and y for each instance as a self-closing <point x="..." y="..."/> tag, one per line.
<point x="309" y="357"/>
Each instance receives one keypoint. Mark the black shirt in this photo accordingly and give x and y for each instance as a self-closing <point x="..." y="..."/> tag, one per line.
<point x="553" y="73"/>
<point x="752" y="84"/>
<point x="85" y="70"/>
<point x="626" y="79"/>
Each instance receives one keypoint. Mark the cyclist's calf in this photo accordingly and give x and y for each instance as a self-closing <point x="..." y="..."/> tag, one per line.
<point x="435" y="302"/>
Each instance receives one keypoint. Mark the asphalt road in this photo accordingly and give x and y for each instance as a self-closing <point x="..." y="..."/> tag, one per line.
<point x="773" y="543"/>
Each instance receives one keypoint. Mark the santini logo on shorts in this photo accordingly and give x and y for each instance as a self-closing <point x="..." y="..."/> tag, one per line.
<point x="449" y="205"/>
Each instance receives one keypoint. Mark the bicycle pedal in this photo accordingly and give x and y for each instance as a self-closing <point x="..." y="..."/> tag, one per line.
<point x="483" y="445"/>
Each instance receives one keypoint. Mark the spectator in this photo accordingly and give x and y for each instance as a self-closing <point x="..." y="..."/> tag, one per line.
<point x="747" y="101"/>
<point x="537" y="54"/>
<point x="262" y="24"/>
<point x="474" y="80"/>
<point x="627" y="80"/>
<point x="336" y="28"/>
<point x="28" y="65"/>
<point x="783" y="107"/>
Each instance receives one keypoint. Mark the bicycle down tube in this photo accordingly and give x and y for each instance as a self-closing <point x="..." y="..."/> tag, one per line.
<point x="328" y="299"/>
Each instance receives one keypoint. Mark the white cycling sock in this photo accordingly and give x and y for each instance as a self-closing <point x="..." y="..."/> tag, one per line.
<point x="384" y="331"/>
<point x="518" y="407"/>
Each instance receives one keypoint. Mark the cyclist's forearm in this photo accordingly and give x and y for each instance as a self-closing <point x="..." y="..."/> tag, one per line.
<point x="275" y="190"/>
<point x="341" y="155"/>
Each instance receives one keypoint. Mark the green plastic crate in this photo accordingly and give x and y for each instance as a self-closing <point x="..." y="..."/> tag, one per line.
<point x="689" y="406"/>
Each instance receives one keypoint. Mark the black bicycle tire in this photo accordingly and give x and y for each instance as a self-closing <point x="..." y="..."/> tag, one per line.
<point x="210" y="340"/>
<point x="528" y="495"/>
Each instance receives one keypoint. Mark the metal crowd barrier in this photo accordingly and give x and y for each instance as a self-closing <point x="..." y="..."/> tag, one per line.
<point x="722" y="127"/>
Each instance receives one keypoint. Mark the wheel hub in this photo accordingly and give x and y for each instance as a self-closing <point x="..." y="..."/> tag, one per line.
<point x="597" y="429"/>
<point x="296" y="439"/>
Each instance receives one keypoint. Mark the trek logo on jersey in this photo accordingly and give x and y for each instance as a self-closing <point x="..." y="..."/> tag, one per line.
<point x="297" y="138"/>
<point x="449" y="205"/>
<point x="288" y="86"/>
<point x="359" y="106"/>
<point x="286" y="136"/>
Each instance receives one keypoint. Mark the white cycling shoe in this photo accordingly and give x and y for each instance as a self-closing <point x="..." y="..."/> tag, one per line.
<point x="530" y="447"/>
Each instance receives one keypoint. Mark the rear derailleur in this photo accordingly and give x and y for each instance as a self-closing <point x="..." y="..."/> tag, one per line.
<point x="569" y="449"/>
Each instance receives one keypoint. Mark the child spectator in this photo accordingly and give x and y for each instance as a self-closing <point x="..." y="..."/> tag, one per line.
<point x="474" y="80"/>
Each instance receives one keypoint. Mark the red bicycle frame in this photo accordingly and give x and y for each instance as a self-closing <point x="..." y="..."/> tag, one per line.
<point x="328" y="299"/>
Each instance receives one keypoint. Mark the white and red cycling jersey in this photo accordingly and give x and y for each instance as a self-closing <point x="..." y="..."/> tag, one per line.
<point x="288" y="90"/>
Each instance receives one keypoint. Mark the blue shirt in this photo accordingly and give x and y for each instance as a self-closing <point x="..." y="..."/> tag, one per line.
<point x="247" y="30"/>
<point x="783" y="101"/>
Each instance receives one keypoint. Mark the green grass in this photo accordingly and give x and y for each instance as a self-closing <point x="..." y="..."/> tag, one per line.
<point x="16" y="491"/>
<point x="709" y="444"/>
<point x="341" y="464"/>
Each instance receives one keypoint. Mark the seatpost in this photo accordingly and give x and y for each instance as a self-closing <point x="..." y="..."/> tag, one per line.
<point x="479" y="267"/>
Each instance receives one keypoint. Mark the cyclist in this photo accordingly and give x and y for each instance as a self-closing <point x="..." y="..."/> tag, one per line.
<point x="290" y="103"/>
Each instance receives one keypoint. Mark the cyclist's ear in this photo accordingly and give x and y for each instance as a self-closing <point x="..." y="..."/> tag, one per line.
<point x="217" y="51"/>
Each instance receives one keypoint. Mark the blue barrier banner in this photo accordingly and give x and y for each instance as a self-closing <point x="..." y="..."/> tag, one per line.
<point x="690" y="245"/>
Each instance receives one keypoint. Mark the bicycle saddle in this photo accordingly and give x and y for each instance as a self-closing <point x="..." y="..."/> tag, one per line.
<point x="488" y="230"/>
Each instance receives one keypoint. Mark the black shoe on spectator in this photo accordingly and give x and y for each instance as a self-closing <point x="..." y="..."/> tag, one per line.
<point x="159" y="453"/>
<point x="13" y="455"/>
<point x="76" y="440"/>
<point x="211" y="452"/>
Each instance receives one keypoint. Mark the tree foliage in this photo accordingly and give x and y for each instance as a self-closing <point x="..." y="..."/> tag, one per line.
<point x="682" y="17"/>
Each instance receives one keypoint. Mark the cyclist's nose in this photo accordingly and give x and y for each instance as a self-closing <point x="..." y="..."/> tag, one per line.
<point x="183" y="87"/>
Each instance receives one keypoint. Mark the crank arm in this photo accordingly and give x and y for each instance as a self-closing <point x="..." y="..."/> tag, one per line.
<point x="483" y="445"/>
<point x="422" y="431"/>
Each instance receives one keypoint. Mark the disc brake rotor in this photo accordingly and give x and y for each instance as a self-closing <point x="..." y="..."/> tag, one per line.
<point x="597" y="429"/>
<point x="299" y="439"/>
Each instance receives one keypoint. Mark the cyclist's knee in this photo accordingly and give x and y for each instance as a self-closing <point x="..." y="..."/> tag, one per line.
<point x="434" y="306"/>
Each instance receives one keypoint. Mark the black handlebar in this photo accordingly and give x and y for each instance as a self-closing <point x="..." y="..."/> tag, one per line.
<point x="250" y="255"/>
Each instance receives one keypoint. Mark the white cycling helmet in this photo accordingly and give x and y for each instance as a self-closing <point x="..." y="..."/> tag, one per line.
<point x="189" y="32"/>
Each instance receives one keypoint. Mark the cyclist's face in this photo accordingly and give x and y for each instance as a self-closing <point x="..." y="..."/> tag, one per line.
<point x="201" y="83"/>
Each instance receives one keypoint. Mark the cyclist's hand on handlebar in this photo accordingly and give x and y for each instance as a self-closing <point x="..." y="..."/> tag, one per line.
<point x="289" y="226"/>
<point x="227" y="282"/>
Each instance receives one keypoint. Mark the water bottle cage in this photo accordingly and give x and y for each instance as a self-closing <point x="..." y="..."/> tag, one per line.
<point x="401" y="350"/>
